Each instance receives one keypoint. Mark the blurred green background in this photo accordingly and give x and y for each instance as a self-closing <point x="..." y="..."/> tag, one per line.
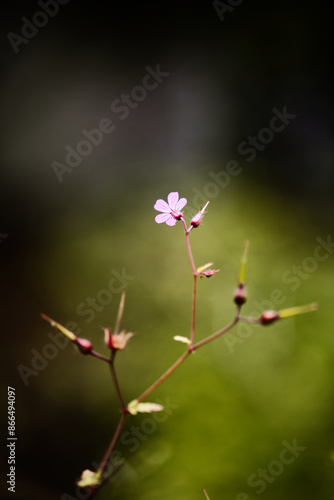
<point x="233" y="405"/>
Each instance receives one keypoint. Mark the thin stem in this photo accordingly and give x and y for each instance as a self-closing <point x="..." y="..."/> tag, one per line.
<point x="164" y="376"/>
<point x="191" y="256"/>
<point x="99" y="356"/>
<point x="109" y="451"/>
<point x="249" y="319"/>
<point x="193" y="318"/>
<point x="195" y="274"/>
<point x="106" y="458"/>
<point x="114" y="377"/>
<point x="187" y="231"/>
<point x="179" y="361"/>
<point x="216" y="335"/>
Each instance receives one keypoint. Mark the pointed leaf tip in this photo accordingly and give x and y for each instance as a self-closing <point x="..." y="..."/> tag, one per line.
<point x="242" y="274"/>
<point x="60" y="327"/>
<point x="293" y="311"/>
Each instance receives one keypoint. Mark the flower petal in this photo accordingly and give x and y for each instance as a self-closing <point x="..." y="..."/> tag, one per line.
<point x="180" y="204"/>
<point x="171" y="221"/>
<point x="161" y="206"/>
<point x="162" y="218"/>
<point x="120" y="341"/>
<point x="173" y="199"/>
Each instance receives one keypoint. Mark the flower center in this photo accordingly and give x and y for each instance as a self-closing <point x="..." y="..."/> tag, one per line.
<point x="175" y="214"/>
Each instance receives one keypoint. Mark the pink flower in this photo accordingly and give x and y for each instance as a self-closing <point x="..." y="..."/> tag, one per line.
<point x="171" y="210"/>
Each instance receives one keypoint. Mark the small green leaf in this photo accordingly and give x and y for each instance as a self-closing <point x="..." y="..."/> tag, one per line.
<point x="135" y="407"/>
<point x="179" y="338"/>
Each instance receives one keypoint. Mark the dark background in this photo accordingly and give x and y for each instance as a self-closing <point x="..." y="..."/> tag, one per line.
<point x="65" y="238"/>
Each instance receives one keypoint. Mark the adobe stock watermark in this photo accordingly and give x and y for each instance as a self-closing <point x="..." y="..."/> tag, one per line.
<point x="122" y="108"/>
<point x="40" y="358"/>
<point x="309" y="265"/>
<point x="131" y="440"/>
<point x="250" y="148"/>
<point x="292" y="277"/>
<point x="30" y="28"/>
<point x="223" y="7"/>
<point x="104" y="296"/>
<point x="245" y="330"/>
<point x="266" y="476"/>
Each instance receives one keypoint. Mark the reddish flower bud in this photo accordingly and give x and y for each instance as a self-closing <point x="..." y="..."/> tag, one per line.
<point x="84" y="346"/>
<point x="196" y="220"/>
<point x="269" y="317"/>
<point x="240" y="295"/>
<point x="118" y="341"/>
<point x="209" y="272"/>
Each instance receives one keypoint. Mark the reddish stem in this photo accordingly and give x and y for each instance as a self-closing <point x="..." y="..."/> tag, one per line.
<point x="99" y="356"/>
<point x="113" y="442"/>
<point x="164" y="376"/>
<point x="187" y="231"/>
<point x="114" y="377"/>
<point x="193" y="319"/>
<point x="216" y="335"/>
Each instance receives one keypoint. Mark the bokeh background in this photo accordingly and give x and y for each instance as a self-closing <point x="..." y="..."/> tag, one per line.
<point x="235" y="402"/>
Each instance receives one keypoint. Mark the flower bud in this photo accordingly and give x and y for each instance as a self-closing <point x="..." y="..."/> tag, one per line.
<point x="240" y="295"/>
<point x="84" y="346"/>
<point x="209" y="272"/>
<point x="269" y="317"/>
<point x="196" y="220"/>
<point x="116" y="341"/>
